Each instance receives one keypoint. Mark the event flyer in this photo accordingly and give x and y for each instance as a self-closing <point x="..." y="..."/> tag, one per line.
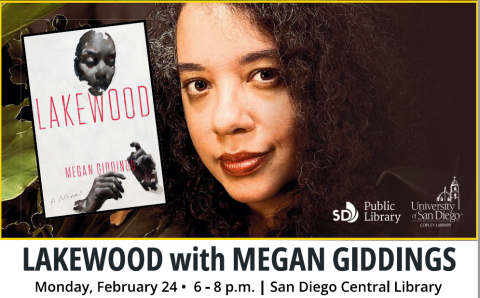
<point x="264" y="149"/>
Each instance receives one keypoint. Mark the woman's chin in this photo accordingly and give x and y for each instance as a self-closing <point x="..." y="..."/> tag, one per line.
<point x="260" y="190"/>
<point x="251" y="196"/>
<point x="95" y="91"/>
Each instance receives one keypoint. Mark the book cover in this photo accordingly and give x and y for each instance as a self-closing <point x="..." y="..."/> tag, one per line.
<point x="94" y="119"/>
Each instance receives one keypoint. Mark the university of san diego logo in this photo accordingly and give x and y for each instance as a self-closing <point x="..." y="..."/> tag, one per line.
<point x="442" y="213"/>
<point x="453" y="196"/>
<point x="350" y="214"/>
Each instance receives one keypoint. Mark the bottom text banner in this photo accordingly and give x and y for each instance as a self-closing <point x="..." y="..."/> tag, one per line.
<point x="218" y="268"/>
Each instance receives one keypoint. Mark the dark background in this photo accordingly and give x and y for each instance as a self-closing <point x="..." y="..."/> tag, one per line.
<point x="440" y="35"/>
<point x="449" y="51"/>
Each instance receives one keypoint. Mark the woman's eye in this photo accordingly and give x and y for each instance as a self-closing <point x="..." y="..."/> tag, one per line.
<point x="90" y="62"/>
<point x="265" y="75"/>
<point x="197" y="86"/>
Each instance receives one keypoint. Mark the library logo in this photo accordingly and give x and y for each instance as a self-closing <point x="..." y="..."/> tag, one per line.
<point x="350" y="214"/>
<point x="443" y="212"/>
<point x="381" y="211"/>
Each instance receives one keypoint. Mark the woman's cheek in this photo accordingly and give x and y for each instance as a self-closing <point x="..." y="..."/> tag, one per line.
<point x="88" y="73"/>
<point x="275" y="111"/>
<point x="198" y="130"/>
<point x="110" y="72"/>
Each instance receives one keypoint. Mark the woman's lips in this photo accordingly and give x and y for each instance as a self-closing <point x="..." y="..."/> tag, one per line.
<point x="101" y="85"/>
<point x="242" y="163"/>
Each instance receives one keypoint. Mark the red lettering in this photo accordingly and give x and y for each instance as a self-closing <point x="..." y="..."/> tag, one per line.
<point x="140" y="99"/>
<point x="68" y="174"/>
<point x="52" y="107"/>
<point x="90" y="170"/>
<point x="38" y="113"/>
<point x="118" y="107"/>
<point x="133" y="165"/>
<point x="125" y="99"/>
<point x="94" y="108"/>
<point x="65" y="112"/>
<point x="78" y="109"/>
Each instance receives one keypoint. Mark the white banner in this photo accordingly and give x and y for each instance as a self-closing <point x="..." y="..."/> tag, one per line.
<point x="272" y="268"/>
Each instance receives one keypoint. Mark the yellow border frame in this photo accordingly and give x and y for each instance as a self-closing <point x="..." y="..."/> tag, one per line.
<point x="268" y="1"/>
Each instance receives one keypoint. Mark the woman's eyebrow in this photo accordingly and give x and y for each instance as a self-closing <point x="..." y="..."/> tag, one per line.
<point x="246" y="59"/>
<point x="258" y="55"/>
<point x="184" y="67"/>
<point x="89" y="52"/>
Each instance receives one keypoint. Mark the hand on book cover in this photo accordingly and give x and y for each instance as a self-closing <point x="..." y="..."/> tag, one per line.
<point x="143" y="167"/>
<point x="104" y="187"/>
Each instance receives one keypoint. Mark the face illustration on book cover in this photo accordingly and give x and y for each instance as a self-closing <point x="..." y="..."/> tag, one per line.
<point x="92" y="129"/>
<point x="95" y="61"/>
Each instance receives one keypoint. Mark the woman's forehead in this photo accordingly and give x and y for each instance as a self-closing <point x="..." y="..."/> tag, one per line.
<point x="98" y="41"/>
<point x="206" y="31"/>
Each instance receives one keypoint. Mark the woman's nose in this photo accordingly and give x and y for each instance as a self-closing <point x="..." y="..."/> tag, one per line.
<point x="101" y="71"/>
<point x="232" y="114"/>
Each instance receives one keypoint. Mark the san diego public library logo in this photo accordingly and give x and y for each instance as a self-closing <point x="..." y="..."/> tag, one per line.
<point x="443" y="212"/>
<point x="378" y="211"/>
<point x="350" y="214"/>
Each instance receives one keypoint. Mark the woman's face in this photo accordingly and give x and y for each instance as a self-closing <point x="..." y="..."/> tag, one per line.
<point x="239" y="113"/>
<point x="97" y="62"/>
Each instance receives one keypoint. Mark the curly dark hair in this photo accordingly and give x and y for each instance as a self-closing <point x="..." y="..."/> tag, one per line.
<point x="357" y="93"/>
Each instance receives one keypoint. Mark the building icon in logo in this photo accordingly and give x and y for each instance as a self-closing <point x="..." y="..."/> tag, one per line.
<point x="454" y="194"/>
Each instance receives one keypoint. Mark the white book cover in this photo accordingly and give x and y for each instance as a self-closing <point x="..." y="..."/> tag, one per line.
<point x="94" y="119"/>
